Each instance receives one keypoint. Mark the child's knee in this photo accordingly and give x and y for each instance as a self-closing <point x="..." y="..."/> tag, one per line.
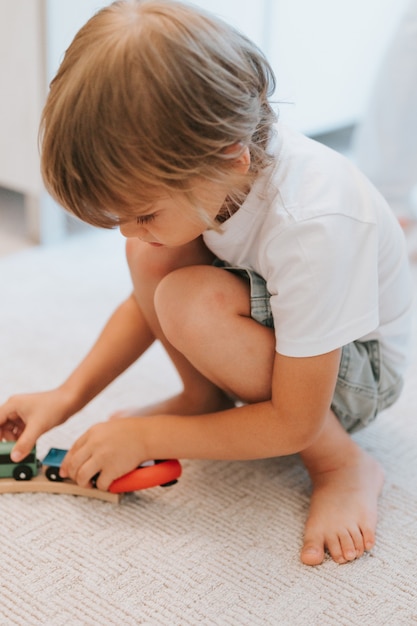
<point x="182" y="302"/>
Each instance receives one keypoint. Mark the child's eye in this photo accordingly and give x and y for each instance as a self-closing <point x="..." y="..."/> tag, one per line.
<point x="145" y="219"/>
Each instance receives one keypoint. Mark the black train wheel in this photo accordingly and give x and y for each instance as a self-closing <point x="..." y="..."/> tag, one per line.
<point x="22" y="472"/>
<point x="52" y="473"/>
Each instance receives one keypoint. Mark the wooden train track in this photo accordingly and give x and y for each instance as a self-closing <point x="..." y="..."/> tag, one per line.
<point x="40" y="484"/>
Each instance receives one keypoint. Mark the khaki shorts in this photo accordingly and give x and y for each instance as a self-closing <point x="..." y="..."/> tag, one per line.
<point x="365" y="384"/>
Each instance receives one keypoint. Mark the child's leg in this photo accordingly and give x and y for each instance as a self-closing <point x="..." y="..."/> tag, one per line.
<point x="346" y="484"/>
<point x="220" y="339"/>
<point x="148" y="266"/>
<point x="212" y="299"/>
<point x="206" y="314"/>
<point x="346" y="480"/>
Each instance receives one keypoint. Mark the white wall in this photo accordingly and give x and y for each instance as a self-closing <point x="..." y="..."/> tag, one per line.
<point x="325" y="54"/>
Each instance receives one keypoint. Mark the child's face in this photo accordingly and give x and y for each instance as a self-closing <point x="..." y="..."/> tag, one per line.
<point x="172" y="220"/>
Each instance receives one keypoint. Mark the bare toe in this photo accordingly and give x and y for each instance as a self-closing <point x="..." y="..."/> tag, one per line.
<point x="347" y="550"/>
<point x="312" y="552"/>
<point x="368" y="539"/>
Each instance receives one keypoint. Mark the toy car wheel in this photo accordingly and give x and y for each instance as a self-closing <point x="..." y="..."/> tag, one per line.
<point x="52" y="473"/>
<point x="22" y="472"/>
<point x="172" y="482"/>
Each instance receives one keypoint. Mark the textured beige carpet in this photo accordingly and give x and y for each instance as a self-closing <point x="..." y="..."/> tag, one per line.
<point x="221" y="547"/>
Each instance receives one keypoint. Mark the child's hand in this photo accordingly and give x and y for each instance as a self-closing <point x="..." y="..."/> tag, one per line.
<point x="110" y="449"/>
<point x="25" y="417"/>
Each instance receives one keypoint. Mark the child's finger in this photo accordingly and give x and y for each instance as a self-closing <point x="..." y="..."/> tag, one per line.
<point x="24" y="444"/>
<point x="11" y="430"/>
<point x="76" y="456"/>
<point x="7" y="413"/>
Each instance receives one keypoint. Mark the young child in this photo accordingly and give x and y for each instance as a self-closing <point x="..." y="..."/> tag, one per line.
<point x="270" y="269"/>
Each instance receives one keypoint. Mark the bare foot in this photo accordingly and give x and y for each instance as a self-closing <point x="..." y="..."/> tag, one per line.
<point x="181" y="404"/>
<point x="343" y="509"/>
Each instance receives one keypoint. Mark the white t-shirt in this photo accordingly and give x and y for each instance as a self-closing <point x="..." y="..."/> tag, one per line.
<point x="331" y="252"/>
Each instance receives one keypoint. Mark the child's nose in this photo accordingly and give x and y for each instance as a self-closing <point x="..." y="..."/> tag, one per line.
<point x="131" y="229"/>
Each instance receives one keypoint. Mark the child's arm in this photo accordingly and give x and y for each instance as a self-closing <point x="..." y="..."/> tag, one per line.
<point x="302" y="390"/>
<point x="124" y="338"/>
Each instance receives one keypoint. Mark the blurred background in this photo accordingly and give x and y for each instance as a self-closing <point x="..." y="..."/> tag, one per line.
<point x="325" y="54"/>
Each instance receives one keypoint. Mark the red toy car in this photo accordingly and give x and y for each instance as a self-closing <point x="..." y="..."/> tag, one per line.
<point x="149" y="474"/>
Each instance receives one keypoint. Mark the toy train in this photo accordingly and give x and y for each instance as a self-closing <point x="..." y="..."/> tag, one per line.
<point x="151" y="474"/>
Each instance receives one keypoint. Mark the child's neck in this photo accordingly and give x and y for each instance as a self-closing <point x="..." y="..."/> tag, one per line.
<point x="231" y="206"/>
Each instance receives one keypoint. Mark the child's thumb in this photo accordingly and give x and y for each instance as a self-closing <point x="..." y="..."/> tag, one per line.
<point x="23" y="446"/>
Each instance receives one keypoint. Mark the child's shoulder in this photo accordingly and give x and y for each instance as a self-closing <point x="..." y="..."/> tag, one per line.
<point x="304" y="153"/>
<point x="315" y="179"/>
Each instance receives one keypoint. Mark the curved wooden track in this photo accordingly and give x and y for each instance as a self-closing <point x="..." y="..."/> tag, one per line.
<point x="41" y="484"/>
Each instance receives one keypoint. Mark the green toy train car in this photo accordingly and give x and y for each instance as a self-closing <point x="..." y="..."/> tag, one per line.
<point x="24" y="470"/>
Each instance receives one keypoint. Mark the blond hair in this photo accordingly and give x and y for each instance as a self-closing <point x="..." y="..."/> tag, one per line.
<point x="150" y="96"/>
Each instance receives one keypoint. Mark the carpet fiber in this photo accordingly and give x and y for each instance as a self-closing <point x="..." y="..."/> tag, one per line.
<point x="220" y="547"/>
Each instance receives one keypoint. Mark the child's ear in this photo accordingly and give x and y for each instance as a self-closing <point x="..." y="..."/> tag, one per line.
<point x="242" y="162"/>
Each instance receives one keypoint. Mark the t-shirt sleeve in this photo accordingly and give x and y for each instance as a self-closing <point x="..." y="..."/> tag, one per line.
<point x="323" y="278"/>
